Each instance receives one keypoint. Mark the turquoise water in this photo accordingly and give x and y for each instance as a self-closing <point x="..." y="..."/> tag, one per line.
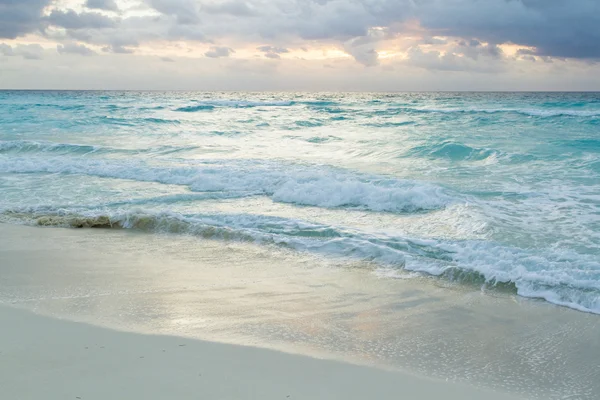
<point x="483" y="187"/>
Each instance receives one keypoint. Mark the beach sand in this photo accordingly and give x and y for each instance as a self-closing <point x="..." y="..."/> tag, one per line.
<point x="114" y="314"/>
<point x="44" y="358"/>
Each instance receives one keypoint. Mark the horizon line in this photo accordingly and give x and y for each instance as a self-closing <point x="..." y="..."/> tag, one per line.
<point x="299" y="91"/>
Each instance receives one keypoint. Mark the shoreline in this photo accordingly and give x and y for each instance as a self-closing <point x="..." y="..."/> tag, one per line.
<point x="240" y="294"/>
<point x="53" y="359"/>
<point x="175" y="226"/>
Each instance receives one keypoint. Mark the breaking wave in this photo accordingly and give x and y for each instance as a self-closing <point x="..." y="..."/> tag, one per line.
<point x="212" y="104"/>
<point x="532" y="274"/>
<point x="531" y="112"/>
<point x="453" y="151"/>
<point x="43" y="147"/>
<point x="195" y="108"/>
<point x="295" y="184"/>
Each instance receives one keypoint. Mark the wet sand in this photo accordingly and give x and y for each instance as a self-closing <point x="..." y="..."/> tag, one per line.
<point x="288" y="311"/>
<point x="43" y="358"/>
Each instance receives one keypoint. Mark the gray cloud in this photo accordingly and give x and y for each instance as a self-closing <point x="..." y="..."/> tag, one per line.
<point x="367" y="57"/>
<point x="27" y="51"/>
<point x="218" y="52"/>
<point x="19" y="17"/>
<point x="272" y="52"/>
<point x="118" y="49"/>
<point x="434" y="60"/>
<point x="474" y="49"/>
<point x="469" y="56"/>
<point x="71" y="20"/>
<point x="106" y="5"/>
<point x="185" y="11"/>
<point x="6" y="50"/>
<point x="272" y="49"/>
<point x="432" y="40"/>
<point x="74" y="48"/>
<point x="186" y="32"/>
<point x="363" y="48"/>
<point x="556" y="28"/>
<point x="258" y="67"/>
<point x="119" y="39"/>
<point x="235" y="7"/>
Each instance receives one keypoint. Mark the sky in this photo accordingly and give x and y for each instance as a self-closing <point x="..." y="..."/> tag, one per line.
<point x="309" y="45"/>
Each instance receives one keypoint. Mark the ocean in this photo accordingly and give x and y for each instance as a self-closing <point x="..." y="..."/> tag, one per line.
<point x="499" y="190"/>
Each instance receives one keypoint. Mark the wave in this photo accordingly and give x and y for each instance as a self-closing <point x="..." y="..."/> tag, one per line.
<point x="561" y="277"/>
<point x="323" y="139"/>
<point x="453" y="151"/>
<point x="531" y="112"/>
<point x="389" y="124"/>
<point x="29" y="146"/>
<point x="334" y="110"/>
<point x="212" y="104"/>
<point x="195" y="108"/>
<point x="60" y="107"/>
<point x="289" y="233"/>
<point x="161" y="121"/>
<point x="301" y="185"/>
<point x="115" y="107"/>
<point x="318" y="103"/>
<point x="132" y="121"/>
<point x="152" y="108"/>
<point x="338" y="118"/>
<point x="309" y="124"/>
<point x="591" y="145"/>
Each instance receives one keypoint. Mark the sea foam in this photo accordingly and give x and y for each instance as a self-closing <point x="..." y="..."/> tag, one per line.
<point x="532" y="274"/>
<point x="323" y="187"/>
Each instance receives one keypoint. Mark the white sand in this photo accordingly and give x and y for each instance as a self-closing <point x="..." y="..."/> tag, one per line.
<point x="243" y="294"/>
<point x="43" y="358"/>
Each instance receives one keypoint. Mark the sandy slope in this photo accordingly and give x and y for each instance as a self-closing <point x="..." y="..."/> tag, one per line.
<point x="43" y="358"/>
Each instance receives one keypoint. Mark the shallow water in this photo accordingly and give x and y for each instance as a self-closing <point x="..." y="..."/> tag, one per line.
<point x="481" y="187"/>
<point x="281" y="299"/>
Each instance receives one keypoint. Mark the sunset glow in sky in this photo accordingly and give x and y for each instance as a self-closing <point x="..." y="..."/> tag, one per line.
<point x="300" y="44"/>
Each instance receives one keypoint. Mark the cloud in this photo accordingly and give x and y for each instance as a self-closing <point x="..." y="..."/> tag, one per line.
<point x="117" y="49"/>
<point x="367" y="57"/>
<point x="106" y="5"/>
<point x="71" y="20"/>
<point x="272" y="49"/>
<point x="554" y="27"/>
<point x="218" y="52"/>
<point x="74" y="48"/>
<point x="112" y="40"/>
<point x="432" y="40"/>
<point x="272" y="52"/>
<point x="259" y="67"/>
<point x="185" y="11"/>
<point x="186" y="32"/>
<point x="27" y="51"/>
<point x="449" y="38"/>
<point x="6" y="50"/>
<point x="363" y="49"/>
<point x="167" y="59"/>
<point x="474" y="49"/>
<point x="234" y="8"/>
<point x="20" y="17"/>
<point x="469" y="57"/>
